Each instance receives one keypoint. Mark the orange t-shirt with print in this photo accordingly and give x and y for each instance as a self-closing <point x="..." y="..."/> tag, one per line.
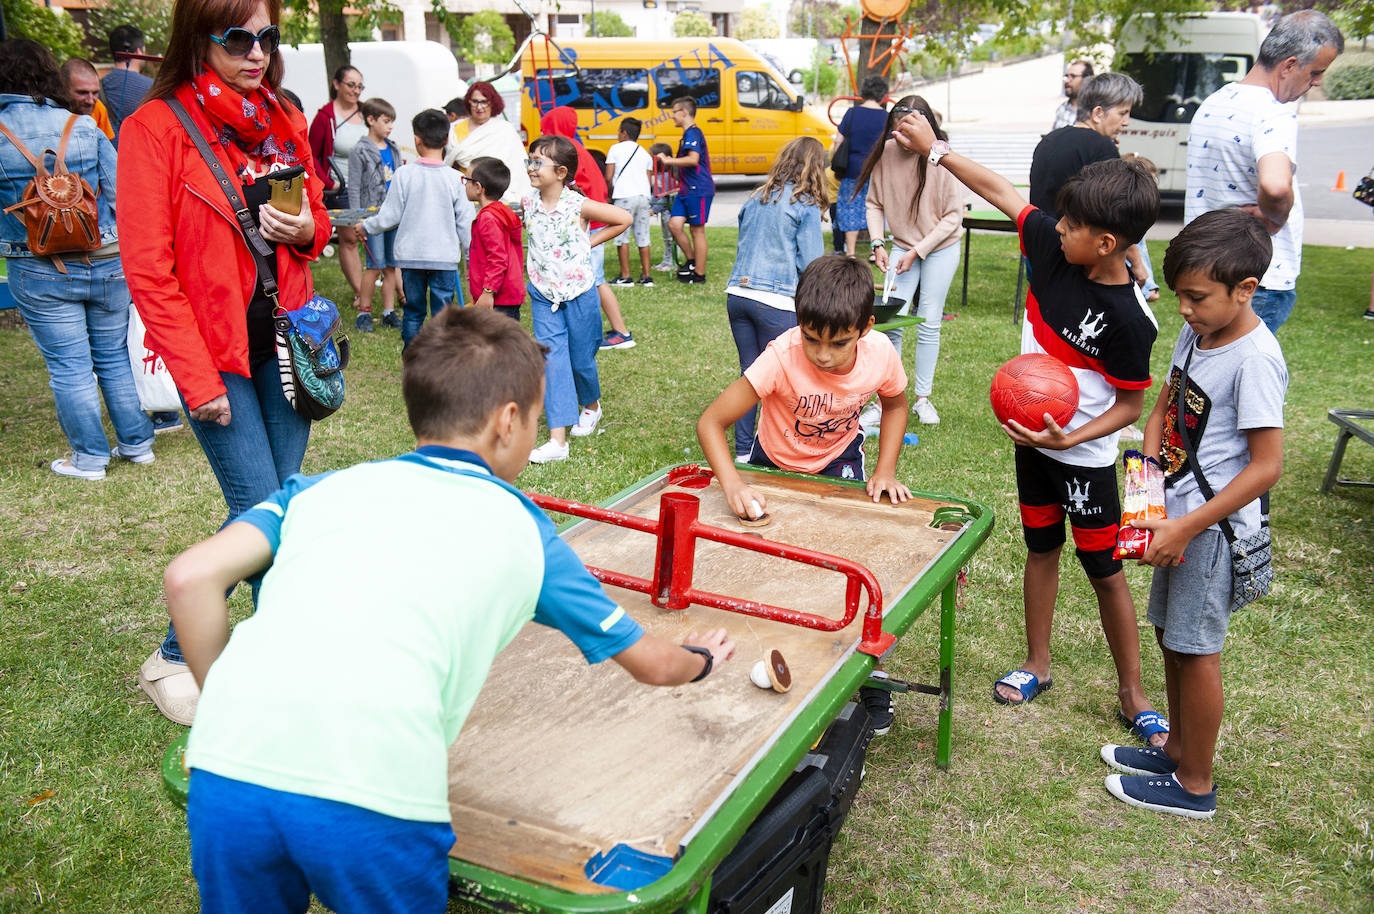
<point x="807" y="417"/>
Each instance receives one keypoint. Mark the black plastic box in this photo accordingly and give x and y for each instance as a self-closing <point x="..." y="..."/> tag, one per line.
<point x="779" y="865"/>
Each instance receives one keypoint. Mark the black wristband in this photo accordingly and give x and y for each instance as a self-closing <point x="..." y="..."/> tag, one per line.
<point x="710" y="661"/>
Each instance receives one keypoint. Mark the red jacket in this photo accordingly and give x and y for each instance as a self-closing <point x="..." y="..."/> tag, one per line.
<point x="494" y="260"/>
<point x="562" y="121"/>
<point x="186" y="261"/>
<point x="322" y="143"/>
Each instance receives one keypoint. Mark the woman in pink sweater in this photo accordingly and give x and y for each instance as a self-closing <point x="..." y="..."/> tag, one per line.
<point x="925" y="231"/>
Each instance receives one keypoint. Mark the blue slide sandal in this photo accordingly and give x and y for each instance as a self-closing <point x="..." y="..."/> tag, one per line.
<point x="1145" y="724"/>
<point x="1023" y="681"/>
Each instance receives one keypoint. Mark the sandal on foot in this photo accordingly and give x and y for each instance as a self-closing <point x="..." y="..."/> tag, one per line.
<point x="1144" y="725"/>
<point x="1023" y="681"/>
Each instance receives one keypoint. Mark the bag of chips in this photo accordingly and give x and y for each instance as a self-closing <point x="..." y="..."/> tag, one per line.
<point x="1144" y="500"/>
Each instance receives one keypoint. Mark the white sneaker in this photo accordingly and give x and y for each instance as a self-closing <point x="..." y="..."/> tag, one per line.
<point x="586" y="423"/>
<point x="171" y="687"/>
<point x="925" y="411"/>
<point x="548" y="452"/>
<point x="145" y="457"/>
<point x="871" y="418"/>
<point x="63" y="466"/>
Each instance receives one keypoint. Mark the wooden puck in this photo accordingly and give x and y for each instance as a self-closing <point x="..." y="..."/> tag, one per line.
<point x="778" y="673"/>
<point x="763" y="520"/>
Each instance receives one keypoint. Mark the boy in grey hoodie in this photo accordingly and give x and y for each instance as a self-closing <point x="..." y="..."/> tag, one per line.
<point x="427" y="205"/>
<point x="370" y="168"/>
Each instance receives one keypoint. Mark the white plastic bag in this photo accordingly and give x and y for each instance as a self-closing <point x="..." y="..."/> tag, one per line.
<point x="156" y="391"/>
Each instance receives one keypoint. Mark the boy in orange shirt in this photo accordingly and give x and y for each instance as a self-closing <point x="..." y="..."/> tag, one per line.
<point x="812" y="382"/>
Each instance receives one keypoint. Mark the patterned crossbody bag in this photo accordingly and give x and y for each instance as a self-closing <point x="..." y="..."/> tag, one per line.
<point x="1252" y="557"/>
<point x="310" y="362"/>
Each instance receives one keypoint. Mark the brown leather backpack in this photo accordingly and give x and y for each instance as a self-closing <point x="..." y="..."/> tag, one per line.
<point x="58" y="208"/>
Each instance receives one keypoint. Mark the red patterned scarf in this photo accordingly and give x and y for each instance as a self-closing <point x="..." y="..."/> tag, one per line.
<point x="255" y="129"/>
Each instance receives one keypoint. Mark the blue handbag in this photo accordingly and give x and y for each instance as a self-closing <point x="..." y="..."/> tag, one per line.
<point x="310" y="362"/>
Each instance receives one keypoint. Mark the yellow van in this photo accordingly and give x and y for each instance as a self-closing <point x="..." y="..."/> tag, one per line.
<point x="744" y="106"/>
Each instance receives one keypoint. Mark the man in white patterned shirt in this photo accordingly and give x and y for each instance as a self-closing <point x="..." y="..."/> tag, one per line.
<point x="1243" y="144"/>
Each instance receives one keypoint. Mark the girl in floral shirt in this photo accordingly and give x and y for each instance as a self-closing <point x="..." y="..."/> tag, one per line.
<point x="564" y="305"/>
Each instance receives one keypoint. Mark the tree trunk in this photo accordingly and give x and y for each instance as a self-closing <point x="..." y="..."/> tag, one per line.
<point x="334" y="37"/>
<point x="868" y="49"/>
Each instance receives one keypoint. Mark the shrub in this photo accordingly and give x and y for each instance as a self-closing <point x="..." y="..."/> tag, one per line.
<point x="1350" y="80"/>
<point x="692" y="24"/>
<point x="610" y="25"/>
<point x="829" y="81"/>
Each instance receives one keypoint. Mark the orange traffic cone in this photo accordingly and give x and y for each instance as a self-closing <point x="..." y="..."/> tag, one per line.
<point x="1340" y="182"/>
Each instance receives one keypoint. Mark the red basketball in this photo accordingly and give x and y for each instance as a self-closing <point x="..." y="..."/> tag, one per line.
<point x="1030" y="385"/>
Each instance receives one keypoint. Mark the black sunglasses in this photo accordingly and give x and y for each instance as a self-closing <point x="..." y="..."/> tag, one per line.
<point x="238" y="42"/>
<point x="901" y="111"/>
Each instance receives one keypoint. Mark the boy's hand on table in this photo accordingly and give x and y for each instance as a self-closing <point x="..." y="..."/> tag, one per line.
<point x="717" y="641"/>
<point x="879" y="483"/>
<point x="744" y="499"/>
<point x="1051" y="436"/>
<point x="1170" y="536"/>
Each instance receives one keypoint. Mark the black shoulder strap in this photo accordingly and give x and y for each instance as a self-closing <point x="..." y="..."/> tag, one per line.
<point x="1188" y="449"/>
<point x="258" y="247"/>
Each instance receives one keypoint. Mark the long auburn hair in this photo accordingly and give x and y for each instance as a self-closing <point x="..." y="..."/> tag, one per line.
<point x="802" y="164"/>
<point x="193" y="22"/>
<point x="921" y="105"/>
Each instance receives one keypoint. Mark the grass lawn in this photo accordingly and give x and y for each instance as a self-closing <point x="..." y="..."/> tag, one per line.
<point x="1019" y="822"/>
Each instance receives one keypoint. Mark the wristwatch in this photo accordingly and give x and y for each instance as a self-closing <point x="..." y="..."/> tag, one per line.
<point x="488" y="291"/>
<point x="706" y="670"/>
<point x="938" y="150"/>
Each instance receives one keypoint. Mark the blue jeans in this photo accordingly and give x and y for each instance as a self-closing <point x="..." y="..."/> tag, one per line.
<point x="754" y="325"/>
<point x="253" y="455"/>
<point x="572" y="332"/>
<point x="1274" y="306"/>
<point x="932" y="275"/>
<point x="427" y="292"/>
<point x="263" y="850"/>
<point x="80" y="323"/>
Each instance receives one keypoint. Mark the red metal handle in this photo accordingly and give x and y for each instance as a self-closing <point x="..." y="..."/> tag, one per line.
<point x="677" y="529"/>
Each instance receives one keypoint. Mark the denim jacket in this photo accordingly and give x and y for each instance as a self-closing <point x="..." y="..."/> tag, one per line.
<point x="776" y="242"/>
<point x="39" y="127"/>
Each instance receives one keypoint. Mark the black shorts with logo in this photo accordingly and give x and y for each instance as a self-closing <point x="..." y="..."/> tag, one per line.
<point x="1049" y="491"/>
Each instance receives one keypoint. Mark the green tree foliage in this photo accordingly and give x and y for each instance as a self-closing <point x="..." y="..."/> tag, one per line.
<point x="54" y="29"/>
<point x="480" y="37"/>
<point x="756" y="22"/>
<point x="1353" y="79"/>
<point x="152" y="17"/>
<point x="693" y="25"/>
<point x="821" y="18"/>
<point x="607" y="25"/>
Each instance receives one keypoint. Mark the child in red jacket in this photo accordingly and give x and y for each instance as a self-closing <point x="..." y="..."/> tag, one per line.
<point x="496" y="275"/>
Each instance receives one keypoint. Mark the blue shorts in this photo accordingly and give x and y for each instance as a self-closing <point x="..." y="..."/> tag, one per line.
<point x="381" y="250"/>
<point x="696" y="210"/>
<point x="1191" y="603"/>
<point x="262" y="850"/>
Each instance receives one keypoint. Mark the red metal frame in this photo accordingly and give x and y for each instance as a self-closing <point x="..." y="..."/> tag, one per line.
<point x="677" y="530"/>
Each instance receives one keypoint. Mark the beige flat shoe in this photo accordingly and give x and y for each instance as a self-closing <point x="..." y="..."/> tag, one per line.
<point x="171" y="687"/>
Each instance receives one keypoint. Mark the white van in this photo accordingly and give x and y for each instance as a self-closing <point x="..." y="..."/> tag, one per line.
<point x="1197" y="54"/>
<point x="411" y="75"/>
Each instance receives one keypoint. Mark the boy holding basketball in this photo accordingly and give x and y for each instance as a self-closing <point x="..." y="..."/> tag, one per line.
<point x="1235" y="380"/>
<point x="1083" y="309"/>
<point x="332" y="777"/>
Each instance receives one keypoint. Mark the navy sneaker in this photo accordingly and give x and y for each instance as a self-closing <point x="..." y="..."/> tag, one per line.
<point x="1138" y="760"/>
<point x="878" y="703"/>
<point x="364" y="322"/>
<point x="1162" y="793"/>
<point x="165" y="422"/>
<point x="617" y="340"/>
<point x="391" y="319"/>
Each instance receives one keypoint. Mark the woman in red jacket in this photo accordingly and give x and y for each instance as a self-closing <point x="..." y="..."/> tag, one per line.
<point x="189" y="268"/>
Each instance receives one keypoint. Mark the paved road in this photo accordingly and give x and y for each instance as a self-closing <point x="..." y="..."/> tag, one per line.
<point x="997" y="117"/>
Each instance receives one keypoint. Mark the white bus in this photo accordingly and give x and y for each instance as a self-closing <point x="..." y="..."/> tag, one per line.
<point x="1193" y="56"/>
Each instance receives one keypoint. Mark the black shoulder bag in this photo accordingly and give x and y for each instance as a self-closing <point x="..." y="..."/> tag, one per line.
<point x="310" y="363"/>
<point x="1252" y="558"/>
